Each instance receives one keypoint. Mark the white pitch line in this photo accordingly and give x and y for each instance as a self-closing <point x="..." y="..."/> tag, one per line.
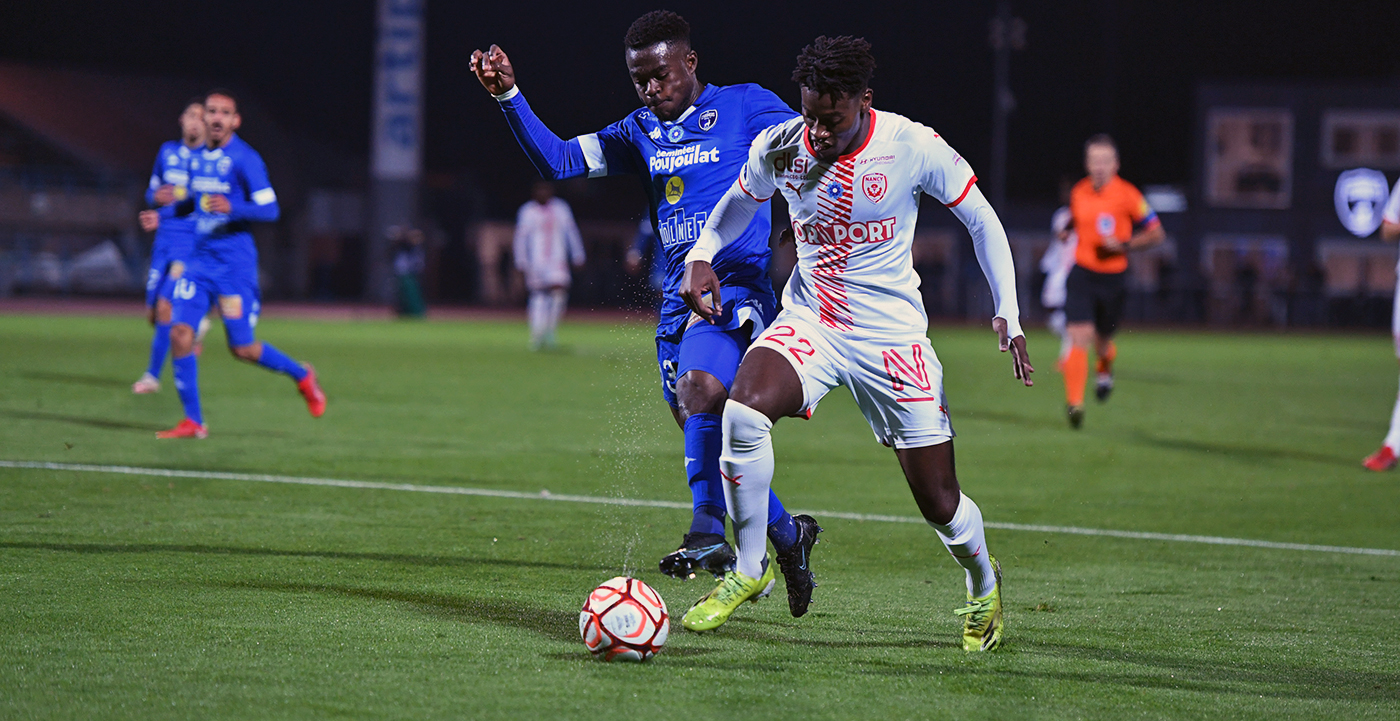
<point x="603" y="500"/>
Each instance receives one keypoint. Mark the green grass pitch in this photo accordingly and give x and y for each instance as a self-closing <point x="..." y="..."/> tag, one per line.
<point x="129" y="596"/>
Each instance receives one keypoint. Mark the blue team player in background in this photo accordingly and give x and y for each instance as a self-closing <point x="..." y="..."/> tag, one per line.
<point x="687" y="145"/>
<point x="229" y="191"/>
<point x="174" y="241"/>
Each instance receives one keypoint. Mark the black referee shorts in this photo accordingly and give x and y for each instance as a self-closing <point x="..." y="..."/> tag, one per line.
<point x="1095" y="298"/>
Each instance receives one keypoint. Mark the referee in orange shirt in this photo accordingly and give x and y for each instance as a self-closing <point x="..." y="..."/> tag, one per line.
<point x="1111" y="218"/>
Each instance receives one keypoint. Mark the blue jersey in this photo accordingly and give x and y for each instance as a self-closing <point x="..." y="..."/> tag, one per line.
<point x="686" y="166"/>
<point x="237" y="172"/>
<point x="175" y="236"/>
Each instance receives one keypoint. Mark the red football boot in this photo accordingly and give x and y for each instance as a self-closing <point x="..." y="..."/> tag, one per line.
<point x="311" y="391"/>
<point x="1382" y="460"/>
<point x="186" y="429"/>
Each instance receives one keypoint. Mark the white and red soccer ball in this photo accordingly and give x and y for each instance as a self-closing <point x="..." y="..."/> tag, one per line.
<point x="624" y="620"/>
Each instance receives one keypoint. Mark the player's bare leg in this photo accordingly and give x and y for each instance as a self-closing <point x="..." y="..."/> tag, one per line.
<point x="307" y="386"/>
<point x="765" y="388"/>
<point x="932" y="478"/>
<point x="186" y="384"/>
<point x="1076" y="370"/>
<point x="701" y="399"/>
<point x="701" y="396"/>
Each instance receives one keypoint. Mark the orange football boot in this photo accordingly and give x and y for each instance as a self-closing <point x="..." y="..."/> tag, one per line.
<point x="311" y="391"/>
<point x="186" y="429"/>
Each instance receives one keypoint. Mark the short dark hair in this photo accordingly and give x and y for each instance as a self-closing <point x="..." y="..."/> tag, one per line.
<point x="1100" y="139"/>
<point x="840" y="66"/>
<point x="657" y="26"/>
<point x="196" y="100"/>
<point x="224" y="92"/>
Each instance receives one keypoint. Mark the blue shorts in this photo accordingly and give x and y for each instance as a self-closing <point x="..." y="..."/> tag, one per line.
<point x="237" y="296"/>
<point x="714" y="349"/>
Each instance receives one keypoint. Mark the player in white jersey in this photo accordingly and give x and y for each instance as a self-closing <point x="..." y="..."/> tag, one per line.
<point x="547" y="242"/>
<point x="1384" y="459"/>
<point x="852" y="313"/>
<point x="1056" y="264"/>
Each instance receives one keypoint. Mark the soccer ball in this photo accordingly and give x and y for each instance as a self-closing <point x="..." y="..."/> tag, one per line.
<point x="624" y="620"/>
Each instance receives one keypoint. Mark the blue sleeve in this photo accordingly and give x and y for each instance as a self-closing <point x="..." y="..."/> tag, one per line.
<point x="763" y="109"/>
<point x="255" y="201"/>
<point x="606" y="152"/>
<point x="155" y="178"/>
<point x="554" y="158"/>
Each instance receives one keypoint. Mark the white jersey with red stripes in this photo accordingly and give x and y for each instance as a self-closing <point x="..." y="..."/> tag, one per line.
<point x="854" y="218"/>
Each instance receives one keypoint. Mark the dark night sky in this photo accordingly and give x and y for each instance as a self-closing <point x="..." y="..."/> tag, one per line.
<point x="309" y="63"/>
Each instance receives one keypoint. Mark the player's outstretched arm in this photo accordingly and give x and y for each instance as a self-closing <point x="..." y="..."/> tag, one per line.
<point x="1390" y="231"/>
<point x="700" y="286"/>
<point x="994" y="255"/>
<point x="553" y="157"/>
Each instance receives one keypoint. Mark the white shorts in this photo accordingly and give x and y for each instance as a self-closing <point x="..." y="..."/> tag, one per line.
<point x="898" y="383"/>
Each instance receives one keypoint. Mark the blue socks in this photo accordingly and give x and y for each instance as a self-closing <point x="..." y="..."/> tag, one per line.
<point x="276" y="360"/>
<point x="703" y="438"/>
<point x="782" y="532"/>
<point x="187" y="385"/>
<point x="160" y="345"/>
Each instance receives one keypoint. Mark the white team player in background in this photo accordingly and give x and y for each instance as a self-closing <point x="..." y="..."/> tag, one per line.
<point x="547" y="242"/>
<point x="1056" y="264"/>
<point x="852" y="313"/>
<point x="1384" y="459"/>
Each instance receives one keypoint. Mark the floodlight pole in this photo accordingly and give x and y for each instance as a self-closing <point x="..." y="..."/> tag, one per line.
<point x="396" y="148"/>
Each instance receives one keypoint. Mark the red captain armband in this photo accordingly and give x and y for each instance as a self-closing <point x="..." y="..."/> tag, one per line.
<point x="971" y="181"/>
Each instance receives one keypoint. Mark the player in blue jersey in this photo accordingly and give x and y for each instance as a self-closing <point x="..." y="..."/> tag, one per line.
<point x="174" y="241"/>
<point x="687" y="145"/>
<point x="229" y="191"/>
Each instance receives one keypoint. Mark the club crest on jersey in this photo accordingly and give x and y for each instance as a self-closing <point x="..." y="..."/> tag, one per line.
<point x="708" y="118"/>
<point x="874" y="185"/>
<point x="834" y="191"/>
<point x="224" y="164"/>
<point x="1105" y="224"/>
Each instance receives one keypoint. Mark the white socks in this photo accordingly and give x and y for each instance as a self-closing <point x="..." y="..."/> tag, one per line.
<point x="1392" y="439"/>
<point x="546" y="307"/>
<point x="746" y="465"/>
<point x="558" y="300"/>
<point x="967" y="541"/>
<point x="539" y="316"/>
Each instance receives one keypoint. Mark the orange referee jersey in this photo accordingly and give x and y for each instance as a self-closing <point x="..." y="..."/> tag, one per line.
<point x="1110" y="212"/>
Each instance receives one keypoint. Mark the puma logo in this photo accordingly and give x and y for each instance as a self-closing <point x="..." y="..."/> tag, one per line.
<point x="795" y="188"/>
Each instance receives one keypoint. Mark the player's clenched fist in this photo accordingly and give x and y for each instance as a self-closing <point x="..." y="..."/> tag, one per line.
<point x="493" y="69"/>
